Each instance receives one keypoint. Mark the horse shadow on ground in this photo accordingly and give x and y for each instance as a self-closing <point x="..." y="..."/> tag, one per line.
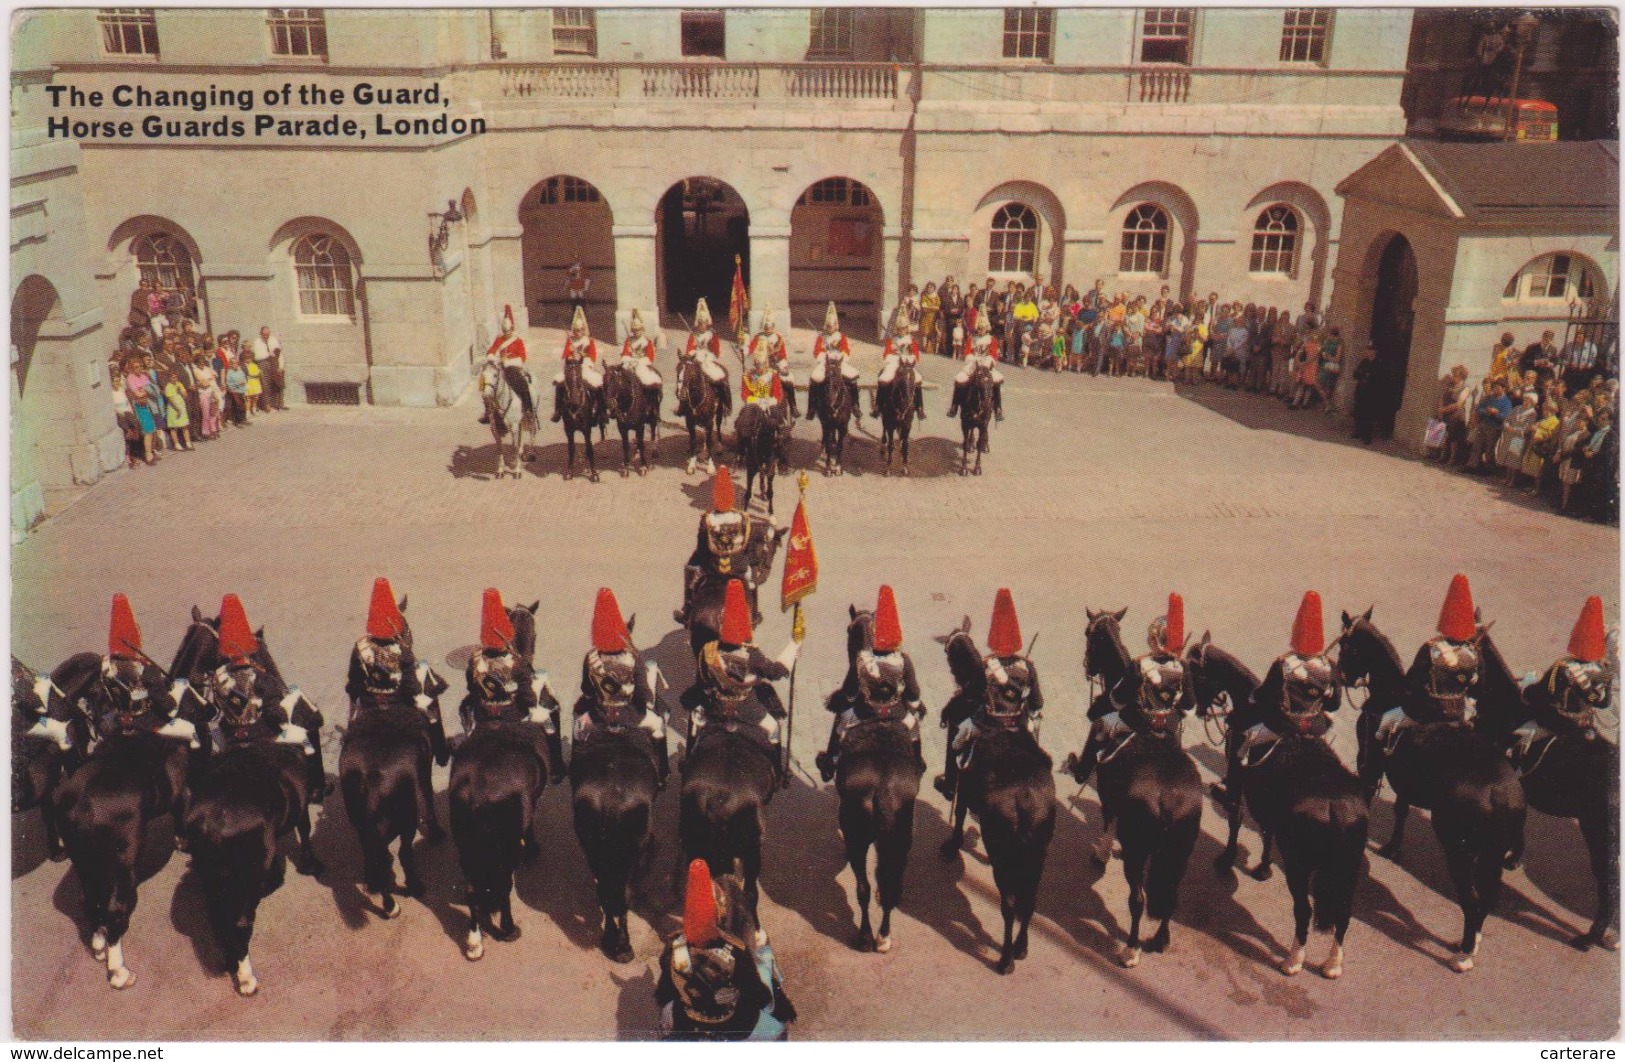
<point x="157" y="847"/>
<point x="636" y="1016"/>
<point x="27" y="843"/>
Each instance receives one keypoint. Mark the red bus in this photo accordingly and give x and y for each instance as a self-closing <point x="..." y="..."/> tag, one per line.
<point x="1496" y="118"/>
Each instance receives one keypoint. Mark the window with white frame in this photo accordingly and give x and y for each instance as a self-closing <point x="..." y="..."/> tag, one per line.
<point x="556" y="190"/>
<point x="831" y="36"/>
<point x="1275" y="241"/>
<point x="299" y="32"/>
<point x="163" y="259"/>
<point x="1028" y="32"/>
<point x="1305" y="32"/>
<point x="575" y="31"/>
<point x="1165" y="34"/>
<point x="129" y="31"/>
<point x="1145" y="241"/>
<point x="1013" y="242"/>
<point x="1558" y="277"/>
<point x="324" y="277"/>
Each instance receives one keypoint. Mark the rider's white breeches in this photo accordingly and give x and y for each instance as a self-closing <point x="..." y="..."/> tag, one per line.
<point x="646" y="374"/>
<point x="589" y="376"/>
<point x="888" y="369"/>
<point x="847" y="371"/>
<point x="964" y="375"/>
<point x="714" y="371"/>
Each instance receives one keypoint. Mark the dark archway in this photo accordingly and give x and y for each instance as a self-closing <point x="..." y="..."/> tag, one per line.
<point x="700" y="225"/>
<point x="835" y="255"/>
<point x="35" y="301"/>
<point x="566" y="220"/>
<point x="1393" y="316"/>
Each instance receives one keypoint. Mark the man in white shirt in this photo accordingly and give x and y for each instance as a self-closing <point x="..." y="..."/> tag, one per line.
<point x="268" y="355"/>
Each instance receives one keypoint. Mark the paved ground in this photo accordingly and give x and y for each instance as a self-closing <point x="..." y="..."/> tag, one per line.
<point x="1098" y="493"/>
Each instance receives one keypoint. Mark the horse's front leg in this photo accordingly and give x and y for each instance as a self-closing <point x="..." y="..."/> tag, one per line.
<point x="592" y="464"/>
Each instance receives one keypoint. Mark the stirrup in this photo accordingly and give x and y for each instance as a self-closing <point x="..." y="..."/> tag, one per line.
<point x="941" y="784"/>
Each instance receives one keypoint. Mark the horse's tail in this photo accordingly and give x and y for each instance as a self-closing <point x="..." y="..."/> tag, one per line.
<point x="233" y="859"/>
<point x="1177" y="828"/>
<point x="894" y="836"/>
<point x="717" y="827"/>
<point x="1339" y="861"/>
<point x="612" y="835"/>
<point x="488" y="834"/>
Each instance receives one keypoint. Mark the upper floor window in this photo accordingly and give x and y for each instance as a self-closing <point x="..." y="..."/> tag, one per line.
<point x="323" y="277"/>
<point x="1028" y="32"/>
<point x="1552" y="276"/>
<point x="1304" y="34"/>
<point x="1145" y="241"/>
<point x="1165" y="35"/>
<point x="831" y="36"/>
<point x="575" y="31"/>
<point x="129" y="31"/>
<point x="299" y="32"/>
<point x="1275" y="241"/>
<point x="556" y="190"/>
<point x="1013" y="242"/>
<point x="836" y="191"/>
<point x="164" y="260"/>
<point x="704" y="34"/>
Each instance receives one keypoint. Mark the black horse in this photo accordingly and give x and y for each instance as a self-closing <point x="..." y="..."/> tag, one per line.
<point x="897" y="412"/>
<point x="1303" y="799"/>
<point x="878" y="778"/>
<point x="729" y="776"/>
<point x="1009" y="786"/>
<point x="705" y="609"/>
<point x="39" y="763"/>
<point x="702" y="411"/>
<point x="1572" y="775"/>
<point x="497" y="778"/>
<point x="580" y="414"/>
<point x="627" y="401"/>
<point x="834" y="415"/>
<point x="975" y="412"/>
<point x="252" y="795"/>
<point x="758" y="435"/>
<point x="1477" y="803"/>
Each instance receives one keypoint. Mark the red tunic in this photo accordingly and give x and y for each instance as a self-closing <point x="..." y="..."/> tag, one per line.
<point x="714" y="345"/>
<point x="745" y="388"/>
<point x="891" y="348"/>
<point x="992" y="347"/>
<point x="507" y="347"/>
<point x="776" y="351"/>
<point x="645" y="342"/>
<point x="592" y="350"/>
<point x="818" y="346"/>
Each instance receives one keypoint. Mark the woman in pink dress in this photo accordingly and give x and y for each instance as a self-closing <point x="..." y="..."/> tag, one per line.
<point x="208" y="396"/>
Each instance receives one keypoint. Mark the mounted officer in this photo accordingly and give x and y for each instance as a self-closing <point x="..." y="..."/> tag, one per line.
<point x="718" y="977"/>
<point x="1575" y="690"/>
<point x="763" y="386"/>
<point x="768" y="341"/>
<point x="706" y="345"/>
<point x="722" y="547"/>
<point x="384" y="672"/>
<point x="618" y="684"/>
<point x="902" y="353"/>
<point x="1299" y="690"/>
<point x="1443" y="678"/>
<point x="1011" y="695"/>
<point x="580" y="349"/>
<point x="1150" y="699"/>
<point x="981" y="352"/>
<point x="243" y="697"/>
<point x="639" y="352"/>
<point x="504" y="688"/>
<point x="880" y="684"/>
<point x="133" y="694"/>
<point x="508" y="351"/>
<point x="733" y="680"/>
<point x="831" y="348"/>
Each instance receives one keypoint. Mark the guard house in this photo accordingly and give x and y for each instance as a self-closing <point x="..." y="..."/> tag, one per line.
<point x="1444" y="246"/>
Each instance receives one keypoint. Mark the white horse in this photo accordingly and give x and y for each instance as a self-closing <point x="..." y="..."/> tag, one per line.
<point x="502" y="410"/>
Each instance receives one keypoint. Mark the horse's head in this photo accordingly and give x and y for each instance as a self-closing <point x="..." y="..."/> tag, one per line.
<point x="199" y="650"/>
<point x="1365" y="656"/>
<point x="30" y="697"/>
<point x="1218" y="678"/>
<point x="523" y="618"/>
<point x="860" y="632"/>
<point x="1104" y="654"/>
<point x="964" y="661"/>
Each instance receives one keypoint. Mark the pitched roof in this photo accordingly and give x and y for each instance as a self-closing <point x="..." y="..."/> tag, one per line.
<point x="1563" y="183"/>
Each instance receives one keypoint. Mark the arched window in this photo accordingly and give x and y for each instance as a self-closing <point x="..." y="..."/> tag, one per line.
<point x="1013" y="247"/>
<point x="1559" y="277"/>
<point x="1145" y="241"/>
<point x="1275" y="241"/>
<point x="323" y="277"/>
<point x="164" y="260"/>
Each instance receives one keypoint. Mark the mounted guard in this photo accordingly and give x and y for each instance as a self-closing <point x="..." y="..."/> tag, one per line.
<point x="508" y="351"/>
<point x="733" y="679"/>
<point x="580" y="349"/>
<point x="1575" y="690"/>
<point x="133" y="693"/>
<point x="763" y="386"/>
<point x="831" y="348"/>
<point x="981" y="352"/>
<point x="618" y="684"/>
<point x="1442" y="682"/>
<point x="705" y="345"/>
<point x="768" y="341"/>
<point x="721" y="547"/>
<point x="902" y="353"/>
<point x="383" y="671"/>
<point x="1011" y="697"/>
<point x="880" y="685"/>
<point x="639" y="352"/>
<point x="503" y="687"/>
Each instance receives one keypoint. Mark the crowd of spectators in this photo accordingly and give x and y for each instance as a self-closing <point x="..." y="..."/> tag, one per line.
<point x="175" y="384"/>
<point x="1543" y="421"/>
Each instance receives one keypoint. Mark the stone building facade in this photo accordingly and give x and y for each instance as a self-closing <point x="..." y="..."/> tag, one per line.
<point x="838" y="153"/>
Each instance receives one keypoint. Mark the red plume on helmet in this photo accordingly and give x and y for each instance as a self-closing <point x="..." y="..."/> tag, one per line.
<point x="1173" y="635"/>
<point x="236" y="638"/>
<point x="609" y="633"/>
<point x="384" y="619"/>
<point x="123" y="636"/>
<point x="496" y="630"/>
<point x="1456" y="617"/>
<point x="735" y="615"/>
<point x="722" y="491"/>
<point x="1308" y="639"/>
<point x="700" y="907"/>
<point x="888" y="631"/>
<point x="1004" y="633"/>
<point x="1589" y="642"/>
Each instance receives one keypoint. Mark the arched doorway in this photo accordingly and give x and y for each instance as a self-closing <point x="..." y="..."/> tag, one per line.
<point x="836" y="254"/>
<point x="565" y="220"/>
<point x="1393" y="314"/>
<point x="36" y="301"/>
<point x="700" y="225"/>
<point x="1018" y="231"/>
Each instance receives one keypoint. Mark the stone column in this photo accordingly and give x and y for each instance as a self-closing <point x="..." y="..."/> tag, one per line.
<point x="634" y="277"/>
<point x="891" y="282"/>
<point x="507" y="276"/>
<point x="769" y="274"/>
